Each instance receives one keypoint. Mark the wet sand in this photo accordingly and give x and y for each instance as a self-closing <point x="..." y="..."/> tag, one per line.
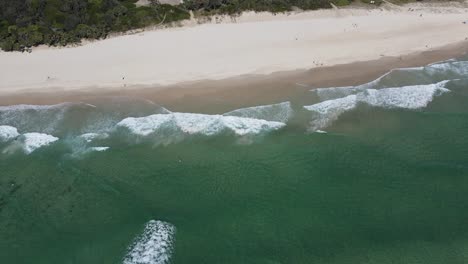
<point x="210" y="96"/>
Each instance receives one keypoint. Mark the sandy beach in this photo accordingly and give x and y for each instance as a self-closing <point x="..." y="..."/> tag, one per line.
<point x="251" y="44"/>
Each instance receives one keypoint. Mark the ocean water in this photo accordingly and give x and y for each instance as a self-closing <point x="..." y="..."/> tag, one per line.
<point x="376" y="173"/>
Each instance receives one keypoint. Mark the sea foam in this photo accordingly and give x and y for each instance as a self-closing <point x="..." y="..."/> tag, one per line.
<point x="198" y="124"/>
<point x="76" y="118"/>
<point x="89" y="137"/>
<point x="328" y="111"/>
<point x="33" y="141"/>
<point x="390" y="79"/>
<point x="83" y="144"/>
<point x="153" y="246"/>
<point x="37" y="118"/>
<point x="281" y="112"/>
<point x="400" y="77"/>
<point x="26" y="107"/>
<point x="99" y="149"/>
<point x="459" y="69"/>
<point x="8" y="133"/>
<point x="110" y="111"/>
<point x="407" y="97"/>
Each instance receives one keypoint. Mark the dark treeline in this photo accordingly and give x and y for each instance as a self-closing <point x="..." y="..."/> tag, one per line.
<point x="28" y="23"/>
<point x="237" y="6"/>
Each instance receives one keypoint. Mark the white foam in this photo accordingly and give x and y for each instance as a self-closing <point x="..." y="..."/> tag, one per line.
<point x="192" y="124"/>
<point x="23" y="107"/>
<point x="38" y="118"/>
<point x="336" y="92"/>
<point x="8" y="133"/>
<point x="459" y="68"/>
<point x="440" y="62"/>
<point x="329" y="111"/>
<point x="408" y="97"/>
<point x="82" y="144"/>
<point x="381" y="82"/>
<point x="33" y="141"/>
<point x="89" y="137"/>
<point x="154" y="246"/>
<point x="281" y="112"/>
<point x="99" y="149"/>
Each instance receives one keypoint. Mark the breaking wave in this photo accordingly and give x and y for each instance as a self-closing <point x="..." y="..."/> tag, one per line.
<point x="436" y="72"/>
<point x="8" y="133"/>
<point x="87" y="128"/>
<point x="407" y="97"/>
<point x="86" y="143"/>
<point x="37" y="118"/>
<point x="281" y="112"/>
<point x="154" y="246"/>
<point x="198" y="124"/>
<point x="32" y="141"/>
<point x="29" y="142"/>
<point x="76" y="118"/>
<point x="94" y="126"/>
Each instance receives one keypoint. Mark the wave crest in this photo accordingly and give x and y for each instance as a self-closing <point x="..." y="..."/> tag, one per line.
<point x="197" y="124"/>
<point x="400" y="77"/>
<point x="407" y="97"/>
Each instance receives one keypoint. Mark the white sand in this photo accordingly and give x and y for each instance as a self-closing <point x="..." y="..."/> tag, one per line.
<point x="256" y="43"/>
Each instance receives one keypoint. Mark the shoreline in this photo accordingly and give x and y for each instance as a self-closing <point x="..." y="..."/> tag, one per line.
<point x="260" y="57"/>
<point x="217" y="96"/>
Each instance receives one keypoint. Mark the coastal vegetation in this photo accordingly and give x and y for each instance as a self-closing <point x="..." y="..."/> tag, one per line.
<point x="28" y="23"/>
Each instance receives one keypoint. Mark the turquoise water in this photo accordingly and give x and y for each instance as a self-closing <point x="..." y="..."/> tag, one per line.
<point x="366" y="174"/>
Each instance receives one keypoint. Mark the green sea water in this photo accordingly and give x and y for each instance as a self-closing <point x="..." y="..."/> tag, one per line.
<point x="386" y="183"/>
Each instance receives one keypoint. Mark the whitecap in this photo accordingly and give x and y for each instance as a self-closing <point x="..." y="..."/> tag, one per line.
<point x="407" y="97"/>
<point x="328" y="111"/>
<point x="32" y="141"/>
<point x="8" y="133"/>
<point x="154" y="246"/>
<point x="99" y="149"/>
<point x="280" y="112"/>
<point x="198" y="124"/>
<point x="321" y="131"/>
<point x="109" y="111"/>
